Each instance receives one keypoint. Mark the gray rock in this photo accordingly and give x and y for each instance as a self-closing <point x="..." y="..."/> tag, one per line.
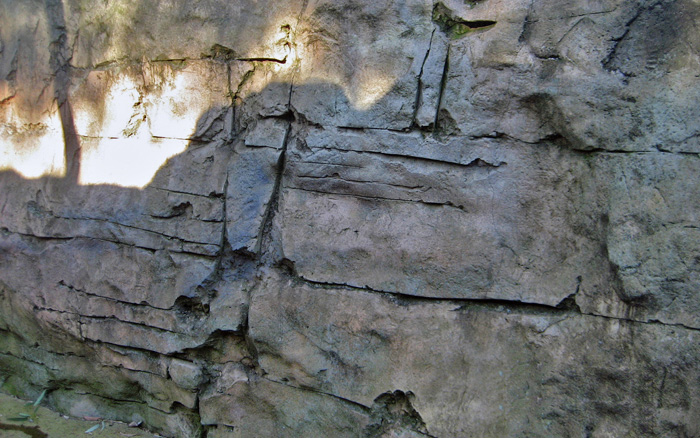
<point x="362" y="73"/>
<point x="186" y="374"/>
<point x="456" y="225"/>
<point x="103" y="269"/>
<point x="651" y="239"/>
<point x="478" y="369"/>
<point x="251" y="184"/>
<point x="249" y="406"/>
<point x="353" y="218"/>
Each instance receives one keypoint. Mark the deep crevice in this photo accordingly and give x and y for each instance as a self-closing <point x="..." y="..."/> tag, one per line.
<point x="613" y="52"/>
<point x="456" y="27"/>
<point x="567" y="305"/>
<point x="382" y="198"/>
<point x="392" y="413"/>
<point x="406" y="299"/>
<point x="471" y="163"/>
<point x="142" y="304"/>
<point x="419" y="92"/>
<point x="374" y="128"/>
<point x="263" y="59"/>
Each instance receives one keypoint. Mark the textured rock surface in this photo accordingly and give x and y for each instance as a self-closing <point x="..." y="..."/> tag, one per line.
<point x="352" y="218"/>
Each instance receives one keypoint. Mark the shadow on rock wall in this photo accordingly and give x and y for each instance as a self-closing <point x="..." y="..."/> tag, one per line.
<point x="115" y="296"/>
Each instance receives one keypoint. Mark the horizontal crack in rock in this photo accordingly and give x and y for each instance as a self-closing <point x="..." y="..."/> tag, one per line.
<point x="316" y="391"/>
<point x="472" y="163"/>
<point x="381" y="198"/>
<point x="140" y="305"/>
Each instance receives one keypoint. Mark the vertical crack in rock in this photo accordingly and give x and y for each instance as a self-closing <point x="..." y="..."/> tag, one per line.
<point x="419" y="92"/>
<point x="443" y="84"/>
<point x="236" y="95"/>
<point x="569" y="302"/>
<point x="250" y="346"/>
<point x="628" y="26"/>
<point x="265" y="242"/>
<point x="224" y="222"/>
<point x="232" y="114"/>
<point x="527" y="24"/>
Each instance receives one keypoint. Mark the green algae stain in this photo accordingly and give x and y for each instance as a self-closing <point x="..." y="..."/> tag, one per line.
<point x="52" y="424"/>
<point x="455" y="27"/>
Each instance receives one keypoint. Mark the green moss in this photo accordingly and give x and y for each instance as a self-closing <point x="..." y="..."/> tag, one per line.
<point x="455" y="27"/>
<point x="52" y="424"/>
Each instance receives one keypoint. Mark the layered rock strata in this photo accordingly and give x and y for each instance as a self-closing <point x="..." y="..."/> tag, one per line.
<point x="349" y="218"/>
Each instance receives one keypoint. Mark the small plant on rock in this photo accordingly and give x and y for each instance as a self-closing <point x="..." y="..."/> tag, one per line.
<point x="23" y="416"/>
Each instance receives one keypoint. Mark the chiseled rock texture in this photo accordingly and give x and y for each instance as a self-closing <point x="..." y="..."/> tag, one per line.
<point x="353" y="218"/>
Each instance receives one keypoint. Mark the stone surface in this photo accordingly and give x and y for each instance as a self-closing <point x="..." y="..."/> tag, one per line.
<point x="651" y="239"/>
<point x="461" y="226"/>
<point x="186" y="374"/>
<point x="362" y="73"/>
<point x="480" y="369"/>
<point x="353" y="218"/>
<point x="239" y="406"/>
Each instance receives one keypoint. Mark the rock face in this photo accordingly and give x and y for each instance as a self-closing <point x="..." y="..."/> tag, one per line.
<point x="353" y="218"/>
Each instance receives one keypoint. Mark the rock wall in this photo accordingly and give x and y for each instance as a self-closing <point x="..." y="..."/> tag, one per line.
<point x="353" y="218"/>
